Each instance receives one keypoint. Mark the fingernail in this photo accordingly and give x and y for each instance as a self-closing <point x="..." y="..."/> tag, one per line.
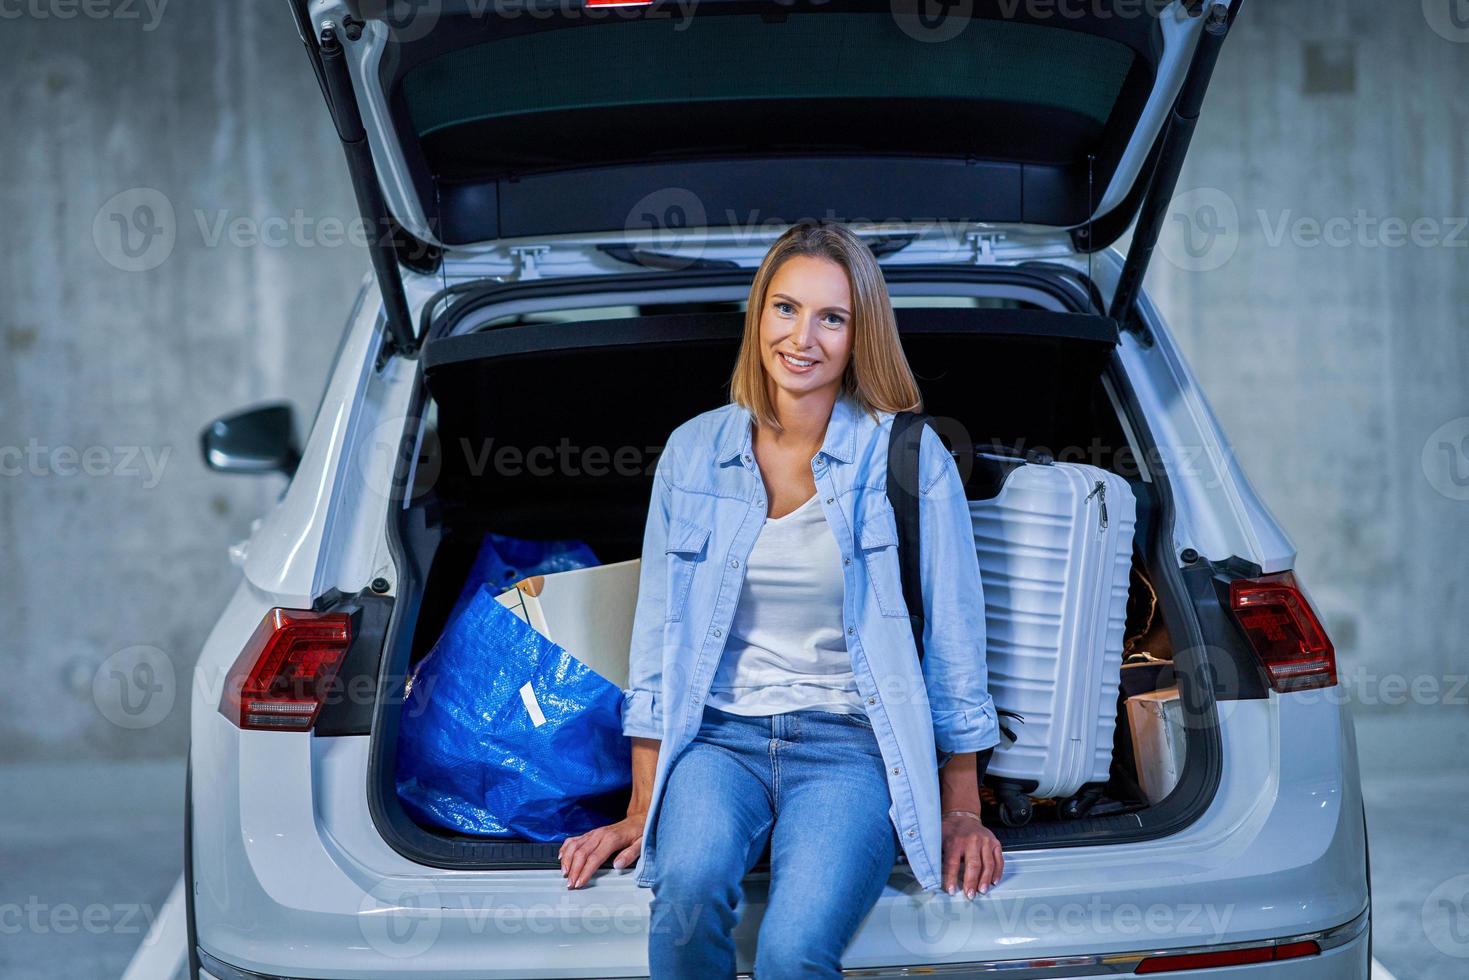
<point x="953" y="889"/>
<point x="969" y="895"/>
<point x="984" y="889"/>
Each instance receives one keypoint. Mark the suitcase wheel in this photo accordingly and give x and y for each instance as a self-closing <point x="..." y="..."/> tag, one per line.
<point x="1015" y="808"/>
<point x="1080" y="805"/>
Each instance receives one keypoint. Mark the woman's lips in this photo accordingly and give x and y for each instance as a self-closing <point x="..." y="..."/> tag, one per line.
<point x="795" y="368"/>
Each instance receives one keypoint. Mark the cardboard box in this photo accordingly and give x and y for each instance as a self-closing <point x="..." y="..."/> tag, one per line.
<point x="586" y="611"/>
<point x="1158" y="740"/>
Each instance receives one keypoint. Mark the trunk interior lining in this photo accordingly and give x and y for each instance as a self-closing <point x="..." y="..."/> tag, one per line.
<point x="1039" y="385"/>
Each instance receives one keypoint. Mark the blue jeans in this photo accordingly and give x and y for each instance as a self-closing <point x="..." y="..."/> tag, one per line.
<point x="809" y="782"/>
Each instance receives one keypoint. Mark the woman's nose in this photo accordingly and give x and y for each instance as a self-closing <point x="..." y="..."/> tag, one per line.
<point x="801" y="333"/>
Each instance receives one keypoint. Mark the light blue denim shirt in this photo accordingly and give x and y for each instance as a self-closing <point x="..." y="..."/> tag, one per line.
<point x="708" y="506"/>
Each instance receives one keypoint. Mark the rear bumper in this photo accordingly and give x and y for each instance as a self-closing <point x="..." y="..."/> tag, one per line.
<point x="292" y="880"/>
<point x="1343" y="956"/>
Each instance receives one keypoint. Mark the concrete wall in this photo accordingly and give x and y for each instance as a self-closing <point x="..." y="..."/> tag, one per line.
<point x="1326" y="318"/>
<point x="1331" y="367"/>
<point x="213" y="107"/>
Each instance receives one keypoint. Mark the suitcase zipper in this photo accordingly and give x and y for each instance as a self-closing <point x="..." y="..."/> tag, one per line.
<point x="1100" y="492"/>
<point x="1082" y="710"/>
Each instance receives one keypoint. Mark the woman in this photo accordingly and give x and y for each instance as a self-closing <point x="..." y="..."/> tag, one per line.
<point x="775" y="693"/>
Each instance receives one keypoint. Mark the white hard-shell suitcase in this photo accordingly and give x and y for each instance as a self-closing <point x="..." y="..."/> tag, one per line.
<point x="1055" y="552"/>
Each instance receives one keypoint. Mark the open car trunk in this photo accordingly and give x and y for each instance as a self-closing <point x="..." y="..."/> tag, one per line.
<point x="469" y="125"/>
<point x="1010" y="373"/>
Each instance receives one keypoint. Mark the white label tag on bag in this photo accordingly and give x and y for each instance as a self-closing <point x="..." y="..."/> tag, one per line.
<point x="528" y="697"/>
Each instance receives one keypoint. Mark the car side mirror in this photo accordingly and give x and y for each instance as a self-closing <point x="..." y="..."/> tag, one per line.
<point x="253" y="440"/>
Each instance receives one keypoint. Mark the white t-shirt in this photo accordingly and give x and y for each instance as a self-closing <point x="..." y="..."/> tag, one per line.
<point x="786" y="649"/>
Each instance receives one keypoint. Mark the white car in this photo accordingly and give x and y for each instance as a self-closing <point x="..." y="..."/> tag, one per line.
<point x="576" y="197"/>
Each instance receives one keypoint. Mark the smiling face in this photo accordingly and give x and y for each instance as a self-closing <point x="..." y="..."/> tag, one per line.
<point x="806" y="325"/>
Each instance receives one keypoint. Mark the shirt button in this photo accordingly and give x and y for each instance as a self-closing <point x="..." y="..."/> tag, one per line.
<point x="846" y="561"/>
<point x="734" y="563"/>
<point x="897" y="771"/>
<point x="872" y="700"/>
<point x="912" y="833"/>
<point x="851" y="631"/>
<point x="716" y="631"/>
<point x="828" y="499"/>
<point x="747" y="457"/>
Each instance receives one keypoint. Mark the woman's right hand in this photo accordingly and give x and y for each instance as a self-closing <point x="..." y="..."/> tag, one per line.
<point x="585" y="853"/>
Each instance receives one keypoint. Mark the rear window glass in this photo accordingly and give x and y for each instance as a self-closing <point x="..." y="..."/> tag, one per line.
<point x="731" y="84"/>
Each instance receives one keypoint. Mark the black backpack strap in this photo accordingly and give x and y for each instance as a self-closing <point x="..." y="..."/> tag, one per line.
<point x="903" y="446"/>
<point x="903" y="454"/>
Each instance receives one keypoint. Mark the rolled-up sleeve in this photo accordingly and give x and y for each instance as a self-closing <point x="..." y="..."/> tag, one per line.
<point x="954" y="670"/>
<point x="642" y="699"/>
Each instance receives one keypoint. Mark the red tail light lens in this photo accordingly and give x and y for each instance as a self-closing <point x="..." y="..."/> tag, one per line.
<point x="1290" y="951"/>
<point x="1228" y="957"/>
<point x="1204" y="961"/>
<point x="1285" y="631"/>
<point x="281" y="678"/>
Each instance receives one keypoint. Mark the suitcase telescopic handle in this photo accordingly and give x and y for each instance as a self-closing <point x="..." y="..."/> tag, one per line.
<point x="1039" y="457"/>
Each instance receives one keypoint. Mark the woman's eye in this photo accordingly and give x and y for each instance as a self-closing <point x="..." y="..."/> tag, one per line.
<point x="834" y="320"/>
<point x="784" y="309"/>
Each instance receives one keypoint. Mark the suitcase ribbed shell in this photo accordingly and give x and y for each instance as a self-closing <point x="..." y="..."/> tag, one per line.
<point x="1055" y="589"/>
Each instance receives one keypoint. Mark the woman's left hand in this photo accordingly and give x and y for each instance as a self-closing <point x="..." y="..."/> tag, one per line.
<point x="972" y="855"/>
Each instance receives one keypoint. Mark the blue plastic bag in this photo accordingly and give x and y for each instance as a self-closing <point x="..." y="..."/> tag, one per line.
<point x="502" y="561"/>
<point x="505" y="733"/>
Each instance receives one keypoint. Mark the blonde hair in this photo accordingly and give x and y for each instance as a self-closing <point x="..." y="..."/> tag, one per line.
<point x="877" y="373"/>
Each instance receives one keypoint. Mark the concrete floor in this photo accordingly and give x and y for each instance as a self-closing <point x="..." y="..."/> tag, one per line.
<point x="90" y="851"/>
<point x="1420" y="873"/>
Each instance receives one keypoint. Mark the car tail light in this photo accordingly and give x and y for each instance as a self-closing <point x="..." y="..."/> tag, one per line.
<point x="1228" y="957"/>
<point x="1282" y="626"/>
<point x="280" y="679"/>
